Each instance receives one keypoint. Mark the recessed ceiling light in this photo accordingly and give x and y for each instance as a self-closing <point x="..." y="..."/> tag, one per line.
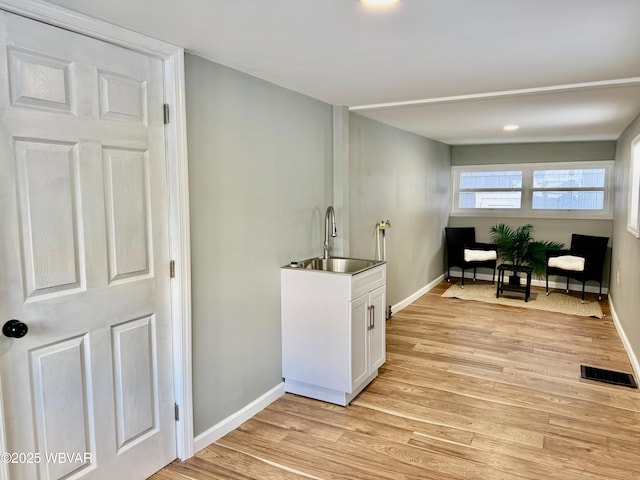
<point x="510" y="128"/>
<point x="379" y="3"/>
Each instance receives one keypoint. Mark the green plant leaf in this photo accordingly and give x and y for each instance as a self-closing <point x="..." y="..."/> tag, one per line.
<point x="517" y="246"/>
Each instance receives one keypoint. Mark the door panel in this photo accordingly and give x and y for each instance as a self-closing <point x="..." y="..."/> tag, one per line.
<point x="126" y="180"/>
<point x="122" y="98"/>
<point x="47" y="189"/>
<point x="359" y="343"/>
<point x="84" y="255"/>
<point x="134" y="370"/>
<point x="39" y="81"/>
<point x="60" y="386"/>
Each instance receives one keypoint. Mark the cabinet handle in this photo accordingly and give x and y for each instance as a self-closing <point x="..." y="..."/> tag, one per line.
<point x="373" y="316"/>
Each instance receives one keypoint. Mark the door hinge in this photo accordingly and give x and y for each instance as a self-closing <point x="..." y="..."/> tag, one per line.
<point x="172" y="269"/>
<point x="166" y="113"/>
<point x="177" y="411"/>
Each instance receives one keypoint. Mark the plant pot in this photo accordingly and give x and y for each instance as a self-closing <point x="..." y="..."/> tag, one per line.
<point x="514" y="280"/>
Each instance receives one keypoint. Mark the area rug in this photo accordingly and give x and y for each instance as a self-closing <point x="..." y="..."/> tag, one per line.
<point x="555" y="302"/>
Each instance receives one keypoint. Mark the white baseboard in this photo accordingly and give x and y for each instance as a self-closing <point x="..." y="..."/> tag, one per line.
<point x="413" y="297"/>
<point x="236" y="419"/>
<point x="468" y="277"/>
<point x="633" y="358"/>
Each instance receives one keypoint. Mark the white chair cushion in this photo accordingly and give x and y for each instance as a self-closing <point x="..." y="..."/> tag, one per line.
<point x="567" y="262"/>
<point x="479" y="255"/>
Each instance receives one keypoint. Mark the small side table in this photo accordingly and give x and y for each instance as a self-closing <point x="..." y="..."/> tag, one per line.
<point x="514" y="288"/>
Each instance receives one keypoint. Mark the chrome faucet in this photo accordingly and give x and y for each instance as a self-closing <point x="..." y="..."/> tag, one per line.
<point x="329" y="217"/>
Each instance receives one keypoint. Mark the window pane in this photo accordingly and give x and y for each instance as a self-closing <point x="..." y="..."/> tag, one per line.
<point x="489" y="199"/>
<point x="559" y="200"/>
<point x="480" y="180"/>
<point x="574" y="178"/>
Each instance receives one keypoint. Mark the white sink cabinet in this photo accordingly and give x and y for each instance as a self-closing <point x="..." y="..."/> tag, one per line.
<point x="333" y="331"/>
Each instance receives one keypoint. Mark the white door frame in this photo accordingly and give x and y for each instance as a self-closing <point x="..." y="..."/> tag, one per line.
<point x="178" y="185"/>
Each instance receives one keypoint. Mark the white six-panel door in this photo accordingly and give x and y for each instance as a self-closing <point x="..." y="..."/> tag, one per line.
<point x="87" y="393"/>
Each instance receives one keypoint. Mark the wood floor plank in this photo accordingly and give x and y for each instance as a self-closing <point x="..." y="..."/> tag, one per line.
<point x="252" y="467"/>
<point x="468" y="391"/>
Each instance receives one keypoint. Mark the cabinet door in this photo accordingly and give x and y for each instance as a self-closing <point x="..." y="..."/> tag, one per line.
<point x="359" y="340"/>
<point x="377" y="334"/>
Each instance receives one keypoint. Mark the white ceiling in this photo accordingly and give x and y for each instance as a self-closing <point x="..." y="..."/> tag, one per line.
<point x="452" y="70"/>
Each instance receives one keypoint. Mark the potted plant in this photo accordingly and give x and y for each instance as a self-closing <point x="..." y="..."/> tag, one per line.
<point x="517" y="246"/>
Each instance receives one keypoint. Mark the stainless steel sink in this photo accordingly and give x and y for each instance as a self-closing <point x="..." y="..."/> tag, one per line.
<point x="337" y="264"/>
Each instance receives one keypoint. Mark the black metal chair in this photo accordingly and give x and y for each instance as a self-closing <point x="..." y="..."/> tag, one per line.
<point x="568" y="263"/>
<point x="464" y="252"/>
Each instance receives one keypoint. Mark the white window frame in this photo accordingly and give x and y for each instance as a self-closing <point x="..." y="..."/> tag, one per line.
<point x="633" y="209"/>
<point x="526" y="208"/>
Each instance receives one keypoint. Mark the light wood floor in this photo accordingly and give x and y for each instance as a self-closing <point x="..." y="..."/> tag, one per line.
<point x="469" y="391"/>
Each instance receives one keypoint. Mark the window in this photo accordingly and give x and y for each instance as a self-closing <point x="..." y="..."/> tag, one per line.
<point x="557" y="190"/>
<point x="570" y="189"/>
<point x="490" y="189"/>
<point x="634" y="189"/>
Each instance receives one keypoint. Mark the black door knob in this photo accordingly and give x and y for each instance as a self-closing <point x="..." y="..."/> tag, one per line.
<point x="15" y="329"/>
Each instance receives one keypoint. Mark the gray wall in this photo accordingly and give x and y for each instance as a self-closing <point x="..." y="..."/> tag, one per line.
<point x="404" y="178"/>
<point x="260" y="177"/>
<point x="544" y="229"/>
<point x="532" y="152"/>
<point x="625" y="259"/>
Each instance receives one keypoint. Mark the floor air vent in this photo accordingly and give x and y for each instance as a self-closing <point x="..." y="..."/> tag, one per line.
<point x="608" y="376"/>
